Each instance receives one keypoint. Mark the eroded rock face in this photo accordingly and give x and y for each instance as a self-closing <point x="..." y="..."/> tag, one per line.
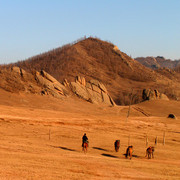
<point x="92" y="91"/>
<point x="16" y="69"/>
<point x="20" y="71"/>
<point x="51" y="85"/>
<point x="44" y="84"/>
<point x="66" y="83"/>
<point x="149" y="94"/>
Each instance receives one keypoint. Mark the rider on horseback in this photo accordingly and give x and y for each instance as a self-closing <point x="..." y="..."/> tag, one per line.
<point x="85" y="139"/>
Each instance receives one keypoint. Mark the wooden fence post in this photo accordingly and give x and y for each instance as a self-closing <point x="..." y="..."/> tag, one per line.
<point x="146" y="140"/>
<point x="164" y="138"/>
<point x="155" y="141"/>
<point x="49" y="134"/>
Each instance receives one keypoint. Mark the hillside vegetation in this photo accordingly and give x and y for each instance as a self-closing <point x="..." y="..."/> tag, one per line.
<point x="93" y="58"/>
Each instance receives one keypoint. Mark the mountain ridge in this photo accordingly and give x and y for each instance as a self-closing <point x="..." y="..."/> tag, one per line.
<point x="158" y="62"/>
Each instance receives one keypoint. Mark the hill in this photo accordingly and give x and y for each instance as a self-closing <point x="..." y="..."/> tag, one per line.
<point x="101" y="60"/>
<point x="158" y="62"/>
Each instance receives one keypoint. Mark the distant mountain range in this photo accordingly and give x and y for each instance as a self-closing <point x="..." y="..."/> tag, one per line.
<point x="123" y="76"/>
<point x="158" y="62"/>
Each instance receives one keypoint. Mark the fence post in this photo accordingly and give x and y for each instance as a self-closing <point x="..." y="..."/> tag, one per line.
<point x="155" y="141"/>
<point x="49" y="134"/>
<point x="164" y="138"/>
<point x="146" y="140"/>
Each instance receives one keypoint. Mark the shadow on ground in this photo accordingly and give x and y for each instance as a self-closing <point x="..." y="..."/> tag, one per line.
<point x="109" y="155"/>
<point x="136" y="156"/>
<point x="101" y="149"/>
<point x="64" y="148"/>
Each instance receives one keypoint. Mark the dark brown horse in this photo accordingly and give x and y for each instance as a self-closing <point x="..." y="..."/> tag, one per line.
<point x="150" y="152"/>
<point x="129" y="152"/>
<point x="117" y="145"/>
<point x="85" y="146"/>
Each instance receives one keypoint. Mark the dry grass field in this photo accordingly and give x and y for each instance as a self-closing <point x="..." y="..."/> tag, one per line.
<point x="41" y="139"/>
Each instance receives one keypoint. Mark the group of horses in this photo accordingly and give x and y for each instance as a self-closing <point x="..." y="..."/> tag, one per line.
<point x="129" y="150"/>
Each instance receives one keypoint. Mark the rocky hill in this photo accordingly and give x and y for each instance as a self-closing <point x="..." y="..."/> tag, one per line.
<point x="92" y="58"/>
<point x="158" y="62"/>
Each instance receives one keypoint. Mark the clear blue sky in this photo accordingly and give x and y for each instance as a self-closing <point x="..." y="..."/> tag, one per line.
<point x="137" y="27"/>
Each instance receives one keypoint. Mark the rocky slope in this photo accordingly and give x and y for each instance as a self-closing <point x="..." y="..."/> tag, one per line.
<point x="91" y="58"/>
<point x="17" y="80"/>
<point x="158" y="62"/>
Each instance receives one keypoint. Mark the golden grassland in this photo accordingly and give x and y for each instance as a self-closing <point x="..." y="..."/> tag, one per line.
<point x="41" y="139"/>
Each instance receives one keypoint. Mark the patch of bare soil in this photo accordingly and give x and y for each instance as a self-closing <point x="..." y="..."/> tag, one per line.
<point x="41" y="139"/>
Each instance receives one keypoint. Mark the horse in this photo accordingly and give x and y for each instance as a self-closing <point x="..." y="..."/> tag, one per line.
<point x="117" y="145"/>
<point x="150" y="152"/>
<point x="129" y="152"/>
<point x="85" y="146"/>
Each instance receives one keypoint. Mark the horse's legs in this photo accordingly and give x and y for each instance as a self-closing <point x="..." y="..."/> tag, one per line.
<point x="127" y="153"/>
<point x="149" y="155"/>
<point x="84" y="148"/>
<point x="117" y="148"/>
<point x="131" y="154"/>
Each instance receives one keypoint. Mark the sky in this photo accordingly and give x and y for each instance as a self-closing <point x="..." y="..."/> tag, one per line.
<point x="138" y="27"/>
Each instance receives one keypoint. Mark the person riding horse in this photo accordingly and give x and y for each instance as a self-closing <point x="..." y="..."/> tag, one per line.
<point x="85" y="139"/>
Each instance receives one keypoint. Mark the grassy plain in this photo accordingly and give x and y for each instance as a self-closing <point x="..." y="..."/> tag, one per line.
<point x="41" y="139"/>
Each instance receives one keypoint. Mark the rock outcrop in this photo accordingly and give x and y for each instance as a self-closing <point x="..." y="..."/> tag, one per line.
<point x="43" y="83"/>
<point x="20" y="71"/>
<point x="149" y="94"/>
<point x="66" y="83"/>
<point x="149" y="62"/>
<point x="92" y="91"/>
<point x="50" y="84"/>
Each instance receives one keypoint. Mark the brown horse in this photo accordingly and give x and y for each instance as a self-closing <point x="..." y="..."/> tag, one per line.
<point x="117" y="145"/>
<point x="129" y="152"/>
<point x="150" y="152"/>
<point x="85" y="146"/>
